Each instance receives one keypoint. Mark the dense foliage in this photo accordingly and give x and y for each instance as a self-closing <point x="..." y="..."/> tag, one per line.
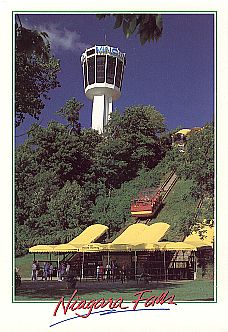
<point x="197" y="165"/>
<point x="70" y="111"/>
<point x="35" y="72"/>
<point x="131" y="142"/>
<point x="147" y="26"/>
<point x="65" y="183"/>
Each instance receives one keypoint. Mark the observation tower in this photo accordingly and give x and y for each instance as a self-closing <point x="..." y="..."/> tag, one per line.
<point x="103" y="68"/>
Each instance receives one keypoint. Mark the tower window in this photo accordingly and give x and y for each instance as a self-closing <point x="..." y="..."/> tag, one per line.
<point x="91" y="70"/>
<point x="90" y="52"/>
<point x="100" y="69"/>
<point x="85" y="74"/>
<point x="111" y="64"/>
<point x="121" y="81"/>
<point x="119" y="69"/>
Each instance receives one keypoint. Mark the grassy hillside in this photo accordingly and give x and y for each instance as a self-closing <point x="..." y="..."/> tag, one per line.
<point x="178" y="211"/>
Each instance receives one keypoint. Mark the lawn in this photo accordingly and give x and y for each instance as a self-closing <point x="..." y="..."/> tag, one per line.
<point x="38" y="291"/>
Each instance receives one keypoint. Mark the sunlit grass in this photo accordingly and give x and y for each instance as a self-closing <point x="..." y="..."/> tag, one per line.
<point x="194" y="290"/>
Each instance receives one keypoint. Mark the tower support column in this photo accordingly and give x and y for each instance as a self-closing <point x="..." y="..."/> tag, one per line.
<point x="102" y="108"/>
<point x="107" y="110"/>
<point x="98" y="113"/>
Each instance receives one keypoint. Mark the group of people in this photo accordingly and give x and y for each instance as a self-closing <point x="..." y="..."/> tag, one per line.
<point x="110" y="272"/>
<point x="47" y="270"/>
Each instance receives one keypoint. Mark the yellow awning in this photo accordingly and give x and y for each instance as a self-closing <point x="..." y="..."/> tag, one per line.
<point x="153" y="233"/>
<point x="116" y="247"/>
<point x="183" y="131"/>
<point x="141" y="233"/>
<point x="66" y="247"/>
<point x="164" y="246"/>
<point x="43" y="248"/>
<point x="92" y="247"/>
<point x="130" y="235"/>
<point x="198" y="241"/>
<point x="90" y="234"/>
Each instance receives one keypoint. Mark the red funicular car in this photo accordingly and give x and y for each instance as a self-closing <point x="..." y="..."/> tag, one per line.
<point x="146" y="204"/>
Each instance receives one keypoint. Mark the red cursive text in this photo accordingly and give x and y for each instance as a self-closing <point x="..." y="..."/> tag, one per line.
<point x="75" y="304"/>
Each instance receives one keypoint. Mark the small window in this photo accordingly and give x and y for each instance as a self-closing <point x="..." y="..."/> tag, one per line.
<point x="111" y="64"/>
<point x="91" y="70"/>
<point x="85" y="74"/>
<point x="119" y="73"/>
<point x="100" y="78"/>
<point x="121" y="81"/>
<point x="90" y="52"/>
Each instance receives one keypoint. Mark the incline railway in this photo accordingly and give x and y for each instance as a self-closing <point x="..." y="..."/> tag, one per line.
<point x="148" y="202"/>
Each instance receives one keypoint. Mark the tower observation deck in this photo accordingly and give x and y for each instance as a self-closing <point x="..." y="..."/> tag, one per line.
<point x="103" y="68"/>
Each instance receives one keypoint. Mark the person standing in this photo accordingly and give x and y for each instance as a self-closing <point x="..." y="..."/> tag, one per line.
<point x="68" y="268"/>
<point x="46" y="270"/>
<point x="98" y="272"/>
<point x="108" y="271"/>
<point x="33" y="271"/>
<point x="62" y="270"/>
<point x="58" y="274"/>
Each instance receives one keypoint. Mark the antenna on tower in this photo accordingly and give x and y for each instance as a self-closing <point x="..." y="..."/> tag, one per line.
<point x="105" y="38"/>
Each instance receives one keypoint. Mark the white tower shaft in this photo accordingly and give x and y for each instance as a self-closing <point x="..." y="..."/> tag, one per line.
<point x="102" y="108"/>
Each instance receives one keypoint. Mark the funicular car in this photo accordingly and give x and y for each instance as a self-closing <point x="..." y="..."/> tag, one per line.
<point x="146" y="204"/>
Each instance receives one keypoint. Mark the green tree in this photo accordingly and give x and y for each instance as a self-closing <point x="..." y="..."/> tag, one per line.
<point x="70" y="111"/>
<point x="199" y="166"/>
<point x="147" y="26"/>
<point x="56" y="215"/>
<point x="199" y="161"/>
<point x="32" y="195"/>
<point x="51" y="165"/>
<point x="54" y="149"/>
<point x="196" y="163"/>
<point x="36" y="72"/>
<point x="26" y="168"/>
<point x="67" y="213"/>
<point x="132" y="142"/>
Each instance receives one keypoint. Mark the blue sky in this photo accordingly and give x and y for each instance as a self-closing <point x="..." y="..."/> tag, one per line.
<point x="175" y="74"/>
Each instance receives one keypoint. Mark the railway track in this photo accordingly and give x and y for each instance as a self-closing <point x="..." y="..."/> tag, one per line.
<point x="168" y="185"/>
<point x="142" y="221"/>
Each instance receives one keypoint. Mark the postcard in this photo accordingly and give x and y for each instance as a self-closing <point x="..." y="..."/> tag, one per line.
<point x="113" y="166"/>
